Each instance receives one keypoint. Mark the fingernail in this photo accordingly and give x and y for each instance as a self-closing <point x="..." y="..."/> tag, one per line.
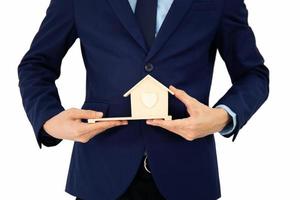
<point x="100" y="114"/>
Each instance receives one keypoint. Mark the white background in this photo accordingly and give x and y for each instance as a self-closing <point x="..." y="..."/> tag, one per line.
<point x="263" y="162"/>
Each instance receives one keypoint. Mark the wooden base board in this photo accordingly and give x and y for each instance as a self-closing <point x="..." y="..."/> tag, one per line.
<point x="92" y="121"/>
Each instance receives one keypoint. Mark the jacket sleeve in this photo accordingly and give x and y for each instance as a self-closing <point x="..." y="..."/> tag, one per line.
<point x="40" y="67"/>
<point x="245" y="65"/>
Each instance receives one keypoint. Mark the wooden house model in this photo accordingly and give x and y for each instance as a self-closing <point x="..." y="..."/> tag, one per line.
<point x="148" y="99"/>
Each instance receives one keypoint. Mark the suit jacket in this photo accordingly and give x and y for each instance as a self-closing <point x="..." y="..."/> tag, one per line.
<point x="115" y="56"/>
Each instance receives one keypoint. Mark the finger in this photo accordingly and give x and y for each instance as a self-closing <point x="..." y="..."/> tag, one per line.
<point x="110" y="124"/>
<point x="183" y="97"/>
<point x="85" y="114"/>
<point x="177" y="126"/>
<point x="101" y="126"/>
<point x="171" y="125"/>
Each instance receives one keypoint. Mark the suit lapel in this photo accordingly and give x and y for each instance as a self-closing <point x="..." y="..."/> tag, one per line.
<point x="175" y="14"/>
<point x="124" y="12"/>
<point x="171" y="21"/>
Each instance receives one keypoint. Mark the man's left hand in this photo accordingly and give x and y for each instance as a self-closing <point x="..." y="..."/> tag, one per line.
<point x="202" y="121"/>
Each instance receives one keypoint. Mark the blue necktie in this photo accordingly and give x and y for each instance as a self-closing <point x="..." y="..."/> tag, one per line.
<point x="145" y="12"/>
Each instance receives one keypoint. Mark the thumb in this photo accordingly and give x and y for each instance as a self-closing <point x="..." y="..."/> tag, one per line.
<point x="86" y="114"/>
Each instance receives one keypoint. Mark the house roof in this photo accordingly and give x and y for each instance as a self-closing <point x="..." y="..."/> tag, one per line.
<point x="151" y="78"/>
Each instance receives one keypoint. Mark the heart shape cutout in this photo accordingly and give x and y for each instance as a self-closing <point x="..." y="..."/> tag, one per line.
<point x="149" y="99"/>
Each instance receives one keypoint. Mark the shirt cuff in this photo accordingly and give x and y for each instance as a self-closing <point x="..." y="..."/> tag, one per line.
<point x="230" y="126"/>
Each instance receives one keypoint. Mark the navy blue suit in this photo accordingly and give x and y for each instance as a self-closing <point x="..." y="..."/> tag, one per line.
<point x="115" y="56"/>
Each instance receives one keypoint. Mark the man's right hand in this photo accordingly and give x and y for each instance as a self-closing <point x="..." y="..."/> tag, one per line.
<point x="68" y="125"/>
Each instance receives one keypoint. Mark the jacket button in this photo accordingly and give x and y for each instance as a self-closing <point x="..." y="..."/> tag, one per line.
<point x="149" y="67"/>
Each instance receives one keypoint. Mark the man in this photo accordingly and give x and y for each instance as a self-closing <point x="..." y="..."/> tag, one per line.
<point x="122" y="41"/>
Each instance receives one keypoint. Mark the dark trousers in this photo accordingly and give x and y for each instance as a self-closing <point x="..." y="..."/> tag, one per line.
<point x="141" y="188"/>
